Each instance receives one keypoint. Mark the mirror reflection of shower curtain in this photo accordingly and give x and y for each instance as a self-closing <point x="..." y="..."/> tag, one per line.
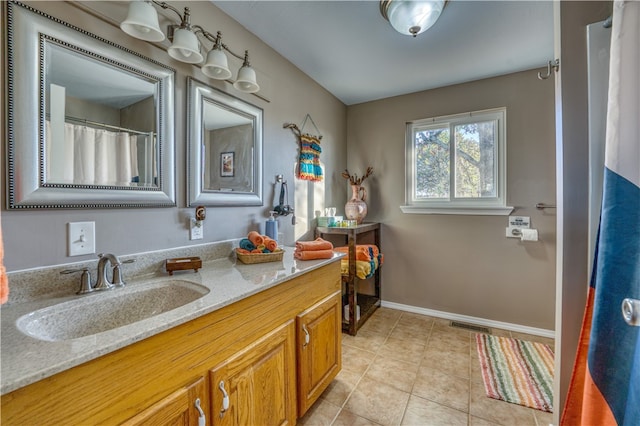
<point x="146" y="161"/>
<point x="92" y="157"/>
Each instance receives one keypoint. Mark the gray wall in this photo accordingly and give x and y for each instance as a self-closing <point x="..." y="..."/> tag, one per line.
<point x="464" y="264"/>
<point x="573" y="177"/>
<point x="38" y="237"/>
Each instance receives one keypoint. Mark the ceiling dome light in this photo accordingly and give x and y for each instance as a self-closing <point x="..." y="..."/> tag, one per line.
<point x="411" y="17"/>
<point x="142" y="22"/>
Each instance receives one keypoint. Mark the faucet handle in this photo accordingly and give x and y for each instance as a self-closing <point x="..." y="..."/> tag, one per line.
<point x="117" y="273"/>
<point x="85" y="279"/>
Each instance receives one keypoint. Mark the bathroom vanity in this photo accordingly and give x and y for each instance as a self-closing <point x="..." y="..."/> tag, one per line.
<point x="258" y="348"/>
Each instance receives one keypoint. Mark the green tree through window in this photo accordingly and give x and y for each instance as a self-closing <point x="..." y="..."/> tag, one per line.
<point x="457" y="160"/>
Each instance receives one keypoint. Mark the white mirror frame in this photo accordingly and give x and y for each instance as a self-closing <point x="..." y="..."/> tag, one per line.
<point x="27" y="30"/>
<point x="198" y="93"/>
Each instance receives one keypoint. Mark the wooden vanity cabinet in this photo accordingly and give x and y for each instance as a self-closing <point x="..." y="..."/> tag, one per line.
<point x="319" y="349"/>
<point x="250" y="345"/>
<point x="258" y="383"/>
<point x="177" y="409"/>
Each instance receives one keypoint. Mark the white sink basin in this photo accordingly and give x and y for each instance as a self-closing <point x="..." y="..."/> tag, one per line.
<point x="106" y="310"/>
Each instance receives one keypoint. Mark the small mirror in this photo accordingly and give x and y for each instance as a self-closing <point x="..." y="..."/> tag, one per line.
<point x="224" y="148"/>
<point x="90" y="122"/>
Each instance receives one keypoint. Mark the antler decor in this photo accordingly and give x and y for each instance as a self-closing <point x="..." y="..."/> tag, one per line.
<point x="354" y="179"/>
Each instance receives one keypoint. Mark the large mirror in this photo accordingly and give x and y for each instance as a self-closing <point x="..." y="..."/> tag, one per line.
<point x="224" y="148"/>
<point x="90" y="122"/>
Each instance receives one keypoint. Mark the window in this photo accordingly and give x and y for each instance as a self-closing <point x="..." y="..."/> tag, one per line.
<point x="457" y="164"/>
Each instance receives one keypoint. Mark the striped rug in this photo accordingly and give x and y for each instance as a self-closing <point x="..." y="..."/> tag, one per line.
<point x="516" y="371"/>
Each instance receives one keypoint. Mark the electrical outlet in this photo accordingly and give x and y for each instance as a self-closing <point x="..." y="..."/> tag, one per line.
<point x="196" y="229"/>
<point x="81" y="238"/>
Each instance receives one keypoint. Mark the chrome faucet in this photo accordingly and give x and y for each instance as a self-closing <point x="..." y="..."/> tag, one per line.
<point x="102" y="282"/>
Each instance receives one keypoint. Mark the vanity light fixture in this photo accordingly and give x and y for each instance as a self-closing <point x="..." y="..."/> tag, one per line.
<point x="142" y="23"/>
<point x="411" y="17"/>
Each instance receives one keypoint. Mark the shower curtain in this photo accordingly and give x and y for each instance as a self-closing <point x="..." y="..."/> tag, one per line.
<point x="92" y="156"/>
<point x="605" y="384"/>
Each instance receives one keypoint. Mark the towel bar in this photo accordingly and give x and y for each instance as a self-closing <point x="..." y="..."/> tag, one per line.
<point x="541" y="206"/>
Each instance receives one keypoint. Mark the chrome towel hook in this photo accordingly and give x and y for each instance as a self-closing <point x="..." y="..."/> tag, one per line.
<point x="552" y="64"/>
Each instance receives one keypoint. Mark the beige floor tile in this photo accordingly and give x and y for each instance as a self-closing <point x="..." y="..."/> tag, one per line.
<point x="322" y="413"/>
<point x="356" y="360"/>
<point x="378" y="402"/>
<point x="446" y="342"/>
<point x="449" y="362"/>
<point x="497" y="411"/>
<point x="347" y="418"/>
<point x="500" y="332"/>
<point x="393" y="372"/>
<point x="415" y="321"/>
<point x="379" y="324"/>
<point x="442" y="388"/>
<point x="388" y="313"/>
<point x="543" y="418"/>
<point x="422" y="412"/>
<point x="477" y="421"/>
<point x="416" y="370"/>
<point x="367" y="340"/>
<point x="341" y="387"/>
<point x="476" y="370"/>
<point x="411" y="334"/>
<point x="444" y="325"/>
<point x="402" y="350"/>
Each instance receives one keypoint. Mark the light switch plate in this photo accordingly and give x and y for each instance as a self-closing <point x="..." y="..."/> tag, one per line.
<point x="81" y="238"/>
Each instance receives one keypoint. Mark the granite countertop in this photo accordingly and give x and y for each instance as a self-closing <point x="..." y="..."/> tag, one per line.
<point x="25" y="360"/>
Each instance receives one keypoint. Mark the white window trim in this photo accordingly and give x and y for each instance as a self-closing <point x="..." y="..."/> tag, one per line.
<point x="493" y="206"/>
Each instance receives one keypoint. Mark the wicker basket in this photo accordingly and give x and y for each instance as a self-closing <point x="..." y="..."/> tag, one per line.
<point x="260" y="257"/>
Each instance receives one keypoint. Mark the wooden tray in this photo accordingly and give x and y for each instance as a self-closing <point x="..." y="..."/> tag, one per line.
<point x="260" y="257"/>
<point x="183" y="263"/>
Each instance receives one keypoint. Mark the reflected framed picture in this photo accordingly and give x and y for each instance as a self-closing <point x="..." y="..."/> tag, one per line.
<point x="226" y="164"/>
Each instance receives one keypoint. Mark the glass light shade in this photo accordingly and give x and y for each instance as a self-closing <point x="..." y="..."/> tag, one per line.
<point x="414" y="17"/>
<point x="185" y="47"/>
<point x="246" y="81"/>
<point x="217" y="65"/>
<point x="142" y="22"/>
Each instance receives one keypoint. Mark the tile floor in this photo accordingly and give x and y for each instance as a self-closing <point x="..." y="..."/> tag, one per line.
<point x="409" y="369"/>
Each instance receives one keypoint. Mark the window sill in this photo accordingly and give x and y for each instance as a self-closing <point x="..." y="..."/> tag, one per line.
<point x="477" y="211"/>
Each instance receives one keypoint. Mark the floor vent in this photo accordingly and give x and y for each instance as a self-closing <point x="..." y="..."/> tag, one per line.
<point x="471" y="327"/>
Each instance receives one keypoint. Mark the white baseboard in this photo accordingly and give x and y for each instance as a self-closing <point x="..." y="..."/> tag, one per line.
<point x="469" y="319"/>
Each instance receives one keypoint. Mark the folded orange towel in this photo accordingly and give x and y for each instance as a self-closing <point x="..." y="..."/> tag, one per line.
<point x="255" y="238"/>
<point x="312" y="254"/>
<point x="317" y="244"/>
<point x="271" y="244"/>
<point x="256" y="251"/>
<point x="242" y="251"/>
<point x="362" y="253"/>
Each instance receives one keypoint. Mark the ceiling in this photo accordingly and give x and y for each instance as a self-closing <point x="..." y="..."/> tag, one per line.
<point x="350" y="50"/>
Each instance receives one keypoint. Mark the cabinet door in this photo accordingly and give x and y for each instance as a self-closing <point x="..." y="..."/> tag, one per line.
<point x="257" y="385"/>
<point x="319" y="349"/>
<point x="177" y="409"/>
